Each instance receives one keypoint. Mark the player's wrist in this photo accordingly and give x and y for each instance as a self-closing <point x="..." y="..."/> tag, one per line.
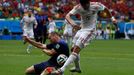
<point x="73" y="25"/>
<point x="113" y="18"/>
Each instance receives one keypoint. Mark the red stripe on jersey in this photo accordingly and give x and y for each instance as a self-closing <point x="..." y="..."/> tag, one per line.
<point x="68" y="22"/>
<point x="77" y="6"/>
<point x="89" y="35"/>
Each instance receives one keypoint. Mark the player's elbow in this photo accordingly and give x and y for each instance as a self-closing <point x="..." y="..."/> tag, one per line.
<point x="67" y="16"/>
<point x="29" y="71"/>
<point x="51" y="53"/>
<point x="48" y="53"/>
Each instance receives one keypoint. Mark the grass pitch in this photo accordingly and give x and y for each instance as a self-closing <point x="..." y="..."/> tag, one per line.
<point x="102" y="57"/>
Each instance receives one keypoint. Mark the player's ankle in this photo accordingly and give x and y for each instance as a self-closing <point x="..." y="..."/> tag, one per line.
<point x="74" y="69"/>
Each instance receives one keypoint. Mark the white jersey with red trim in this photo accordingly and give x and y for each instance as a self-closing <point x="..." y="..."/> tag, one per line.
<point x="68" y="29"/>
<point x="88" y="17"/>
<point x="68" y="26"/>
<point x="28" y="22"/>
<point x="52" y="26"/>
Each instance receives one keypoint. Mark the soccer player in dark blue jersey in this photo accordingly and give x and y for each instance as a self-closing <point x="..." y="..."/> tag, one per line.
<point x="56" y="47"/>
<point x="40" y="33"/>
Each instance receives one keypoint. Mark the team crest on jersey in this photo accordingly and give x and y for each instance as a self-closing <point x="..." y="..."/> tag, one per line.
<point x="57" y="46"/>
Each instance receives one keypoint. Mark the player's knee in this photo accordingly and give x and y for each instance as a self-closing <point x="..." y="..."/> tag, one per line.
<point x="29" y="70"/>
<point x="76" y="49"/>
<point x="75" y="54"/>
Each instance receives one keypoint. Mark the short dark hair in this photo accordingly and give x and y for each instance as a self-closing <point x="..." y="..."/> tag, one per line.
<point x="83" y="1"/>
<point x="54" y="33"/>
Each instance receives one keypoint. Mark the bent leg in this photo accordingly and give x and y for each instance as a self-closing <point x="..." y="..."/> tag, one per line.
<point x="30" y="71"/>
<point x="71" y="58"/>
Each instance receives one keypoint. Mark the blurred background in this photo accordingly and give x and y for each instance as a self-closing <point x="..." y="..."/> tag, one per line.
<point x="12" y="11"/>
<point x="110" y="54"/>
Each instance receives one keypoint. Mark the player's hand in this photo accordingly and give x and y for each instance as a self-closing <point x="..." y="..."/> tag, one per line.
<point x="25" y="38"/>
<point x="114" y="20"/>
<point x="76" y="27"/>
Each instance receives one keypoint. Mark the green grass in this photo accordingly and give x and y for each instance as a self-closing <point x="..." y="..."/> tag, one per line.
<point x="102" y="57"/>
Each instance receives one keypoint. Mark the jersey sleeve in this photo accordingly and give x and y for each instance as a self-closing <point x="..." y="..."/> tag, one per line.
<point x="74" y="10"/>
<point x="49" y="46"/>
<point x="98" y="6"/>
<point x="101" y="7"/>
<point x="56" y="47"/>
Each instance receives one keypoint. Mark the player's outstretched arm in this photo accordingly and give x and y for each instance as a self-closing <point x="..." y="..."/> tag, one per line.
<point x="71" y="22"/>
<point x="112" y="17"/>
<point x="41" y="46"/>
<point x="49" y="52"/>
<point x="34" y="43"/>
<point x="107" y="14"/>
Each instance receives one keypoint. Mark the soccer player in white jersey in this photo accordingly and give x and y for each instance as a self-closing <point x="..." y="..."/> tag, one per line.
<point x="52" y="25"/>
<point x="29" y="22"/>
<point x="67" y="34"/>
<point x="89" y="12"/>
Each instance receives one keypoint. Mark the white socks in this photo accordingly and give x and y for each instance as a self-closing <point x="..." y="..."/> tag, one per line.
<point x="77" y="62"/>
<point x="71" y="59"/>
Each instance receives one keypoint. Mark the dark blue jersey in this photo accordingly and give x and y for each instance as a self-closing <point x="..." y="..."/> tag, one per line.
<point x="60" y="47"/>
<point x="42" y="21"/>
<point x="41" y="29"/>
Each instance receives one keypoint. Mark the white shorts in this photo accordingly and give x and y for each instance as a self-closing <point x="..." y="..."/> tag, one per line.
<point x="29" y="33"/>
<point x="83" y="37"/>
<point x="68" y="32"/>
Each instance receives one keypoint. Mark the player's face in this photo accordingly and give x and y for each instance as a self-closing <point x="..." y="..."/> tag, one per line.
<point x="52" y="38"/>
<point x="86" y="5"/>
